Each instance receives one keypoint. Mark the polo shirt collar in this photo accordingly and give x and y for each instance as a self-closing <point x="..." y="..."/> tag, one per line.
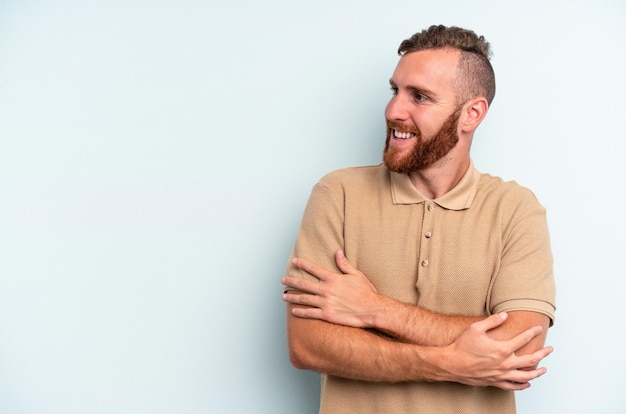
<point x="459" y="198"/>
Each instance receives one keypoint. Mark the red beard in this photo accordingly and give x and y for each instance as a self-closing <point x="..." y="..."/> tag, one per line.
<point x="424" y="153"/>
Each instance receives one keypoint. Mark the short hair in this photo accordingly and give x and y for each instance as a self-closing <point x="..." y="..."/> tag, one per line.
<point x="475" y="75"/>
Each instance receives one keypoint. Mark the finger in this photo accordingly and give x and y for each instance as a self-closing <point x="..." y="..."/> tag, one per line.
<point x="521" y="376"/>
<point x="303" y="285"/>
<point x="310" y="267"/>
<point x="510" y="385"/>
<point x="523" y="338"/>
<point x="491" y="322"/>
<point x="342" y="262"/>
<point x="302" y="299"/>
<point x="307" y="313"/>
<point x="533" y="359"/>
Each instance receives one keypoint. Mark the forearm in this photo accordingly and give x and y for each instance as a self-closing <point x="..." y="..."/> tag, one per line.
<point x="364" y="307"/>
<point x="472" y="359"/>
<point x="355" y="353"/>
<point x="417" y="325"/>
<point x="326" y="299"/>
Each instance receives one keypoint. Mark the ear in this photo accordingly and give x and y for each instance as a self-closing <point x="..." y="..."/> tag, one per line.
<point x="472" y="114"/>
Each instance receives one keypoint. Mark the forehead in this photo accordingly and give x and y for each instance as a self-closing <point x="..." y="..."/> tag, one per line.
<point x="433" y="69"/>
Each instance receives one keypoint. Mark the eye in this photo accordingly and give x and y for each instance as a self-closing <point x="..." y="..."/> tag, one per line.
<point x="419" y="97"/>
<point x="394" y="90"/>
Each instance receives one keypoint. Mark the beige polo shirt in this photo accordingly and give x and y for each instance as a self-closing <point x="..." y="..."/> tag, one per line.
<point x="480" y="249"/>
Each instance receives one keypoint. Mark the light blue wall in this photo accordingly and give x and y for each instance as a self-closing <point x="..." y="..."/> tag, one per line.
<point x="155" y="158"/>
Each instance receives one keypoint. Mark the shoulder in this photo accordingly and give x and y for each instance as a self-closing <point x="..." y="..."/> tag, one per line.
<point x="355" y="177"/>
<point x="508" y="197"/>
<point x="506" y="190"/>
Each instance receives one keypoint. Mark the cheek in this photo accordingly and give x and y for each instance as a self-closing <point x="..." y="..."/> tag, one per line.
<point x="429" y="124"/>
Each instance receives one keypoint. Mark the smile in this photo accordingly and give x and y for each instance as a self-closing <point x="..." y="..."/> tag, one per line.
<point x="403" y="135"/>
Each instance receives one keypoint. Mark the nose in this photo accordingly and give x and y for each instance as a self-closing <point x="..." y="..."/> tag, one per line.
<point x="396" y="109"/>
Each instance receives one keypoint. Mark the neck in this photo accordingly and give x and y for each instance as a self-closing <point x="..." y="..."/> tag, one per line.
<point x="438" y="179"/>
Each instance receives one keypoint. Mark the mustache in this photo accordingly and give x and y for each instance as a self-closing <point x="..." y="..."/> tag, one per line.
<point x="402" y="127"/>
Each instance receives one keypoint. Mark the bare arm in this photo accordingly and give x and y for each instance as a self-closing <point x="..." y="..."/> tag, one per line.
<point x="519" y="321"/>
<point x="350" y="299"/>
<point x="473" y="359"/>
<point x="349" y="352"/>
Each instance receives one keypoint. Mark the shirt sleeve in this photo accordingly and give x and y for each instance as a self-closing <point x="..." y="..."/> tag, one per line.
<point x="321" y="231"/>
<point x="525" y="280"/>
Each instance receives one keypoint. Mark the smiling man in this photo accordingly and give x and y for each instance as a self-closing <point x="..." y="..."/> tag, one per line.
<point x="422" y="285"/>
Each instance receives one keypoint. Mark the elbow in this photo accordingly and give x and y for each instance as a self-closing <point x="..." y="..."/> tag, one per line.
<point x="301" y="343"/>
<point x="298" y="355"/>
<point x="296" y="359"/>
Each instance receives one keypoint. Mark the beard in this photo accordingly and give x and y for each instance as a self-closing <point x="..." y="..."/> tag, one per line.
<point x="424" y="153"/>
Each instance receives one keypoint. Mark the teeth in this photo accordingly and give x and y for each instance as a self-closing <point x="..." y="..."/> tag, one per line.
<point x="403" y="135"/>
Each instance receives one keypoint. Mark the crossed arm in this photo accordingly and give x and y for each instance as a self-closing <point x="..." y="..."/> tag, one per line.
<point x="325" y="324"/>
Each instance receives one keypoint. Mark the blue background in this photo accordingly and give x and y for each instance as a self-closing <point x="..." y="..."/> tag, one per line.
<point x="156" y="156"/>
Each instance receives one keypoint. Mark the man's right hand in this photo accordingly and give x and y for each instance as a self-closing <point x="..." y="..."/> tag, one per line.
<point x="476" y="359"/>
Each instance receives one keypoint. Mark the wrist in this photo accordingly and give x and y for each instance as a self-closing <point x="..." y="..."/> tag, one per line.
<point x="432" y="364"/>
<point x="443" y="359"/>
<point x="381" y="313"/>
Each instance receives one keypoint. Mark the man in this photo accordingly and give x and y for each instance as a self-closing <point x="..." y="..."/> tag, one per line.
<point x="445" y="301"/>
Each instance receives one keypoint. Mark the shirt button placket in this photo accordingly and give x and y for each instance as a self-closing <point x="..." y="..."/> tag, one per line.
<point x="428" y="234"/>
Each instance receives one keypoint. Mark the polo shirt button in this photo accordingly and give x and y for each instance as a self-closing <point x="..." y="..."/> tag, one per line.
<point x="428" y="235"/>
<point x="431" y="207"/>
<point x="425" y="262"/>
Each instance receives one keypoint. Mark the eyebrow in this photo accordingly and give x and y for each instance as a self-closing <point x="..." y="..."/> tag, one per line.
<point x="423" y="91"/>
